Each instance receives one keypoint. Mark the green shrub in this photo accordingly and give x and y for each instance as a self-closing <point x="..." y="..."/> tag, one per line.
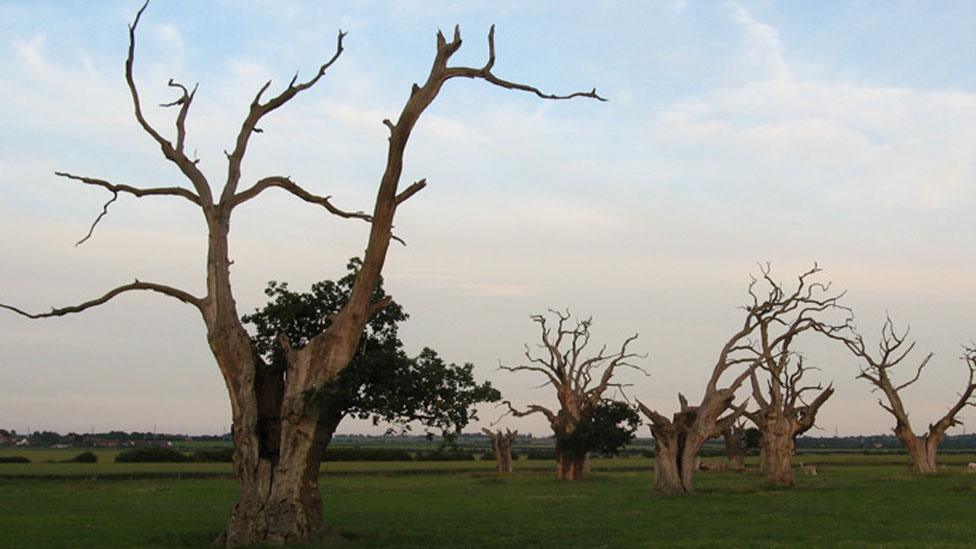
<point x="14" y="459"/>
<point x="150" y="454"/>
<point x="84" y="457"/>
<point x="214" y="455"/>
<point x="347" y="453"/>
<point x="445" y="455"/>
<point x="540" y="454"/>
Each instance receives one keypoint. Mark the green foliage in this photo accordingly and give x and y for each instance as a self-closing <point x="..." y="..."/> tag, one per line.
<point x="751" y="438"/>
<point x="366" y="454"/>
<point x="541" y="454"/>
<point x="445" y="455"/>
<point x="84" y="457"/>
<point x="151" y="454"/>
<point x="381" y="382"/>
<point x="608" y="429"/>
<point x="14" y="459"/>
<point x="214" y="455"/>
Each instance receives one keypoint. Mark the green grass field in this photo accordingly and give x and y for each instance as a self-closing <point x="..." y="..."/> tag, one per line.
<point x="860" y="501"/>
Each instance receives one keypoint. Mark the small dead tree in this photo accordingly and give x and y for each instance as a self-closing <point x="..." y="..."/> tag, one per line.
<point x="501" y="444"/>
<point x="679" y="440"/>
<point x="893" y="348"/>
<point x="279" y="434"/>
<point x="579" y="382"/>
<point x="735" y="450"/>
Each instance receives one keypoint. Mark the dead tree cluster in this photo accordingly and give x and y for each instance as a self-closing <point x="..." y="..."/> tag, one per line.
<point x="580" y="382"/>
<point x="774" y="318"/>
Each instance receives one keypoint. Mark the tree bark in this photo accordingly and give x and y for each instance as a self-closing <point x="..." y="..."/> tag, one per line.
<point x="570" y="466"/>
<point x="778" y="448"/>
<point x="501" y="444"/>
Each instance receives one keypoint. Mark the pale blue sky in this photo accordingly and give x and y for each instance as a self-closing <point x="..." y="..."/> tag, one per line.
<point x="736" y="132"/>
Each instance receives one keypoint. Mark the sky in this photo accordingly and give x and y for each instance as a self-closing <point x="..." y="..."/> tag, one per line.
<point x="842" y="133"/>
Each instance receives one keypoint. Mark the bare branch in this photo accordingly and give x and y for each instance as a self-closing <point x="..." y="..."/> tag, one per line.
<point x="173" y="154"/>
<point x="295" y="189"/>
<point x="170" y="291"/>
<point x="257" y="111"/>
<point x="134" y="191"/>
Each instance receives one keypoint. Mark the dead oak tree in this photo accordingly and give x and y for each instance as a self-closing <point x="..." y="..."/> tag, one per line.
<point x="735" y="450"/>
<point x="783" y="415"/>
<point x="784" y="412"/>
<point x="501" y="445"/>
<point x="579" y="381"/>
<point x="893" y="348"/>
<point x="279" y="438"/>
<point x="678" y="440"/>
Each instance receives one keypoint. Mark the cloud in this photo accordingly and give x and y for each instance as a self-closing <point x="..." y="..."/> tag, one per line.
<point x="764" y="49"/>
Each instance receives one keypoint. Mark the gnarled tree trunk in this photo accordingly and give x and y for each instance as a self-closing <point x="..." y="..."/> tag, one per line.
<point x="501" y="444"/>
<point x="570" y="466"/>
<point x="777" y="451"/>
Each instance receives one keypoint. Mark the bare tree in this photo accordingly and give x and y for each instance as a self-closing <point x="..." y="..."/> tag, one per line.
<point x="501" y="444"/>
<point x="679" y="440"/>
<point x="278" y="433"/>
<point x="735" y="451"/>
<point x="580" y="382"/>
<point x="893" y="348"/>
<point x="783" y="414"/>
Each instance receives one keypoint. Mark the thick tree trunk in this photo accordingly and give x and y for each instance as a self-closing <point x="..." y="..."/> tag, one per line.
<point x="503" y="454"/>
<point x="570" y="466"/>
<point x="279" y="500"/>
<point x="778" y="456"/>
<point x="667" y="472"/>
<point x="923" y="450"/>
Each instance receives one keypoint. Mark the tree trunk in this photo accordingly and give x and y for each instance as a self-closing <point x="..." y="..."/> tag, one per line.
<point x="570" y="466"/>
<point x="503" y="455"/>
<point x="734" y="451"/>
<point x="778" y="454"/>
<point x="923" y="450"/>
<point x="279" y="500"/>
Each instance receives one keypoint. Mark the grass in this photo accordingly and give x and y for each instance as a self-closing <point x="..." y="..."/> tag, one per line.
<point x="856" y="502"/>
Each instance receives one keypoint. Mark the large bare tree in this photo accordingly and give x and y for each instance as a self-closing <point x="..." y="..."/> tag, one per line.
<point x="893" y="348"/>
<point x="678" y="440"/>
<point x="580" y="382"/>
<point x="783" y="413"/>
<point x="785" y="410"/>
<point x="278" y="436"/>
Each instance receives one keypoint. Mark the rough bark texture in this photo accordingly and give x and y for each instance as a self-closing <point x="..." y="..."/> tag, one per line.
<point x="679" y="440"/>
<point x="570" y="466"/>
<point x="501" y="444"/>
<point x="578" y="382"/>
<point x="893" y="348"/>
<point x="280" y="431"/>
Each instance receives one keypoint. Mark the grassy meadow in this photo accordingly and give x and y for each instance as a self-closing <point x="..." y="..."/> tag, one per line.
<point x="856" y="500"/>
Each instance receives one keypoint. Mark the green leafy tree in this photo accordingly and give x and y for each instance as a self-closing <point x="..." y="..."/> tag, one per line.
<point x="610" y="427"/>
<point x="382" y="382"/>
